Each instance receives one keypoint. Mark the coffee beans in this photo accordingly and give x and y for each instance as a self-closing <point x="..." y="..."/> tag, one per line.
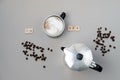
<point x="30" y="51"/>
<point x="102" y="38"/>
<point x="50" y="49"/>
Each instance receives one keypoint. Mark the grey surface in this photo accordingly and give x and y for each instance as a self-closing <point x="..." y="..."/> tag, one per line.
<point x="15" y="15"/>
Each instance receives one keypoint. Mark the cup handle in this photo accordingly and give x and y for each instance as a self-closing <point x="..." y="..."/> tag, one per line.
<point x="63" y="14"/>
<point x="95" y="66"/>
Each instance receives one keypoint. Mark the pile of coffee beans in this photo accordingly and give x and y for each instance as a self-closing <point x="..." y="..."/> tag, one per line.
<point x="103" y="35"/>
<point x="30" y="51"/>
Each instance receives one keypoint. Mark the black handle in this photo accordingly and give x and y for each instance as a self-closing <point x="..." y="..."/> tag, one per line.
<point x="97" y="68"/>
<point x="63" y="15"/>
<point x="62" y="48"/>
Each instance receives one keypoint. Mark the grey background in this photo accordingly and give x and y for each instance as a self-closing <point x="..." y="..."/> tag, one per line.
<point x="16" y="15"/>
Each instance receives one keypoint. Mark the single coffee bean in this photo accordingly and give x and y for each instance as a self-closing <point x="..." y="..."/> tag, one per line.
<point x="97" y="38"/>
<point x="29" y="42"/>
<point x="100" y="49"/>
<point x="93" y="40"/>
<point x="98" y="29"/>
<point x="48" y="49"/>
<point x="45" y="58"/>
<point x="35" y="59"/>
<point x="44" y="66"/>
<point x="113" y="40"/>
<point x="104" y="48"/>
<point x="113" y="36"/>
<point x="37" y="47"/>
<point x="95" y="48"/>
<point x="27" y="54"/>
<point x="105" y="29"/>
<point x="31" y="54"/>
<point x="108" y="50"/>
<point x="114" y="47"/>
<point x="22" y="43"/>
<point x="34" y="46"/>
<point x="51" y="50"/>
<point x="42" y="55"/>
<point x="26" y="42"/>
<point x="103" y="41"/>
<point x="26" y="58"/>
<point x="39" y="56"/>
<point x="110" y="45"/>
<point x="103" y="54"/>
<point x="41" y="50"/>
